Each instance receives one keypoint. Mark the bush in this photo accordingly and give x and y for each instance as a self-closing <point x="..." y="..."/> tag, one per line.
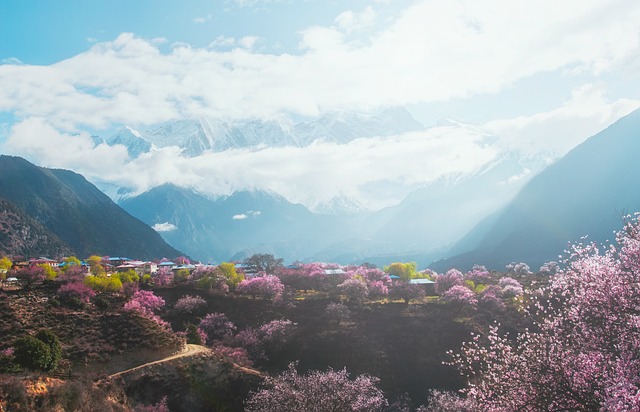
<point x="32" y="353"/>
<point x="55" y="348"/>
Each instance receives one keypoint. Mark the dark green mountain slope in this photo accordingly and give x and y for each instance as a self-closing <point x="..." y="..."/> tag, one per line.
<point x="82" y="216"/>
<point x="21" y="235"/>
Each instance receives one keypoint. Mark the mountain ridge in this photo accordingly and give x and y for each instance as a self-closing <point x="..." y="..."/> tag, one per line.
<point x="77" y="212"/>
<point x="592" y="183"/>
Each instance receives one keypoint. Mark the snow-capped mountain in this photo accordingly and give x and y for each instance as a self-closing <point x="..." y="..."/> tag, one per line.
<point x="132" y="140"/>
<point x="342" y="127"/>
<point x="198" y="136"/>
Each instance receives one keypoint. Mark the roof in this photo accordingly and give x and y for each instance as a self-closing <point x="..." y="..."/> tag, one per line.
<point x="421" y="281"/>
<point x="334" y="272"/>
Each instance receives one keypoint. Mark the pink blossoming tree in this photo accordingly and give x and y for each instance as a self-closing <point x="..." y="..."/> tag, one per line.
<point x="317" y="391"/>
<point x="583" y="353"/>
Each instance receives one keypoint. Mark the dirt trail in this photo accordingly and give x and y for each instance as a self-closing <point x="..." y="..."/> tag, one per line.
<point x="189" y="350"/>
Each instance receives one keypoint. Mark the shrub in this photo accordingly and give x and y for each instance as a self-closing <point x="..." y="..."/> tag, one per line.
<point x="55" y="348"/>
<point x="195" y="335"/>
<point x="549" y="268"/>
<point x="32" y="353"/>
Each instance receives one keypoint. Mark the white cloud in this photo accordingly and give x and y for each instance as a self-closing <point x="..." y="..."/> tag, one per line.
<point x="164" y="227"/>
<point x="558" y="131"/>
<point x="430" y="52"/>
<point x="240" y="216"/>
<point x="248" y="42"/>
<point x="203" y="19"/>
<point x="351" y="21"/>
<point x="11" y="60"/>
<point x="375" y="171"/>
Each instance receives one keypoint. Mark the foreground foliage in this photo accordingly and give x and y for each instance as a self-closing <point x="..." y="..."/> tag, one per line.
<point x="584" y="350"/>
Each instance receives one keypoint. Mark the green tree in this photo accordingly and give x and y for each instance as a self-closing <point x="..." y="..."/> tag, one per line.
<point x="95" y="264"/>
<point x="263" y="262"/>
<point x="70" y="261"/>
<point x="32" y="353"/>
<point x="49" y="272"/>
<point x="5" y="266"/>
<point x="232" y="277"/>
<point x="55" y="348"/>
<point x="181" y="275"/>
<point x="103" y="283"/>
<point x="405" y="271"/>
<point x="129" y="276"/>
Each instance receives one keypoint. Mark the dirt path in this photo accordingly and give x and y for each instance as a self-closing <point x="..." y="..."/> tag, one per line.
<point x="189" y="350"/>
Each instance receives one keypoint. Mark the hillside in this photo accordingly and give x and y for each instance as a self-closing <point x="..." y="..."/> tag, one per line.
<point x="587" y="192"/>
<point x="235" y="226"/>
<point x="83" y="217"/>
<point x="21" y="235"/>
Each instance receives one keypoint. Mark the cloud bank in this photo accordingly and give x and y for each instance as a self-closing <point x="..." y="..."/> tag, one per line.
<point x="430" y="52"/>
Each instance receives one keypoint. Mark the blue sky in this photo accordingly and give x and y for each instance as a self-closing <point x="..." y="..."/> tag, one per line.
<point x="539" y="77"/>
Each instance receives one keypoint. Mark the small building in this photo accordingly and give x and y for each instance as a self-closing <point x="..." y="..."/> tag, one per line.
<point x="334" y="272"/>
<point x="428" y="285"/>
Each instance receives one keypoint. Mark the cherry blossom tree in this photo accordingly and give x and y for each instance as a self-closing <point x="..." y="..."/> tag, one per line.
<point x="317" y="391"/>
<point x="145" y="303"/>
<point x="75" y="293"/>
<point x="31" y="275"/>
<point x="448" y="280"/>
<point x="163" y="277"/>
<point x="337" y="312"/>
<point x="583" y="351"/>
<point x="478" y="274"/>
<point x="355" y="289"/>
<point x="190" y="304"/>
<point x="276" y="332"/>
<point x="549" y="268"/>
<point x="217" y="326"/>
<point x="518" y="269"/>
<point x="212" y="278"/>
<point x="510" y="287"/>
<point x="267" y="286"/>
<point x="460" y="295"/>
<point x="406" y="291"/>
